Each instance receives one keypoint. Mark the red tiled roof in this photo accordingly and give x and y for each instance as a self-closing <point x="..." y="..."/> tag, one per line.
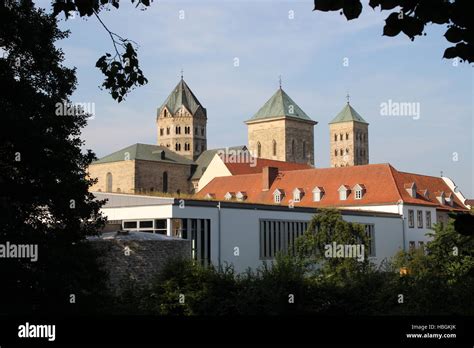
<point x="383" y="185"/>
<point x="260" y="163"/>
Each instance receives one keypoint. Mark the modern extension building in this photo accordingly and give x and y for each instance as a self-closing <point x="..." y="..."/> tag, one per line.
<point x="239" y="233"/>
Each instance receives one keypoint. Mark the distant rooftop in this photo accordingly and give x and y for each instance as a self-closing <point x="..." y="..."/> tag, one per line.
<point x="348" y="114"/>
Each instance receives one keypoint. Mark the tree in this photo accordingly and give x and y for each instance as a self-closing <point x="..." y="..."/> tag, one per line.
<point x="44" y="198"/>
<point x="414" y="15"/>
<point x="327" y="235"/>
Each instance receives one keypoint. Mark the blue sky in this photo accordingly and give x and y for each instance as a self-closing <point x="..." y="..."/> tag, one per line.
<point x="308" y="51"/>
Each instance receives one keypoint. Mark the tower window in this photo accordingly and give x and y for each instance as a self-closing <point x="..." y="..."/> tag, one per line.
<point x="347" y="151"/>
<point x="162" y="131"/>
<point x="165" y="113"/>
<point x="340" y="136"/>
<point x="177" y="147"/>
<point x="195" y="130"/>
<point x="274" y="147"/>
<point x="186" y="147"/>
<point x="202" y="131"/>
<point x="340" y="152"/>
<point x="108" y="182"/>
<point x="168" y="131"/>
<point x="347" y="136"/>
<point x="259" y="149"/>
<point x="335" y="153"/>
<point x="178" y="130"/>
<point x="335" y="137"/>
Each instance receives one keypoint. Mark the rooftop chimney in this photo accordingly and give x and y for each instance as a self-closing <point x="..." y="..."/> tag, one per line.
<point x="269" y="175"/>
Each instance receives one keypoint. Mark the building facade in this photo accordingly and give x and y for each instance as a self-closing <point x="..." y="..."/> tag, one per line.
<point x="349" y="139"/>
<point x="181" y="123"/>
<point x="281" y="131"/>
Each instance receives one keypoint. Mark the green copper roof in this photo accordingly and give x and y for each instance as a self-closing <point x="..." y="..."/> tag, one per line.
<point x="280" y="105"/>
<point x="348" y="114"/>
<point x="144" y="152"/>
<point x="182" y="96"/>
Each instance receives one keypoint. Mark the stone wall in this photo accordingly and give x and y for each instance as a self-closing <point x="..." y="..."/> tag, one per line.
<point x="123" y="176"/>
<point x="284" y="132"/>
<point x="149" y="176"/>
<point x="352" y="144"/>
<point x="146" y="255"/>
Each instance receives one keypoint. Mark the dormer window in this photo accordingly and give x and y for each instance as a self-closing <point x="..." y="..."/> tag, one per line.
<point x="359" y="191"/>
<point x="297" y="194"/>
<point x="441" y="197"/>
<point x="318" y="193"/>
<point x="210" y="196"/>
<point x="278" y="195"/>
<point x="411" y="189"/>
<point x="229" y="195"/>
<point x="241" y="196"/>
<point x="426" y="194"/>
<point x="344" y="192"/>
<point x="449" y="199"/>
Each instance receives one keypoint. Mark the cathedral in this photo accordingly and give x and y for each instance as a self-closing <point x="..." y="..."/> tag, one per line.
<point x="280" y="131"/>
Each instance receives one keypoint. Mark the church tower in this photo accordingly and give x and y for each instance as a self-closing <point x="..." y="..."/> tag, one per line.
<point x="282" y="131"/>
<point x="181" y="123"/>
<point x="349" y="137"/>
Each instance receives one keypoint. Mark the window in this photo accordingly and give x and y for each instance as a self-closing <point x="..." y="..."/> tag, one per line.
<point x="370" y="232"/>
<point x="130" y="224"/>
<point x="277" y="198"/>
<point x="279" y="236"/>
<point x="187" y="147"/>
<point x="196" y="130"/>
<point x="419" y="218"/>
<point x="187" y="130"/>
<point x="358" y="194"/>
<point x="150" y="226"/>
<point x="178" y="130"/>
<point x="340" y="136"/>
<point x="411" y="218"/>
<point x="108" y="182"/>
<point x="335" y="137"/>
<point x="165" y="182"/>
<point x="167" y="130"/>
<point x="335" y="153"/>
<point x="411" y="245"/>
<point x="347" y="151"/>
<point x="259" y="149"/>
<point x="297" y="193"/>
<point x="421" y="244"/>
<point x="342" y="195"/>
<point x="347" y="136"/>
<point x="229" y="195"/>
<point x="428" y="219"/>
<point x="241" y="196"/>
<point x="277" y="195"/>
<point x="318" y="193"/>
<point x="274" y="148"/>
<point x="202" y="131"/>
<point x="162" y="131"/>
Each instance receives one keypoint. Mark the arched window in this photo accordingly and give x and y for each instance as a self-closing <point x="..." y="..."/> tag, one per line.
<point x="304" y="149"/>
<point x="340" y="136"/>
<point x="274" y="147"/>
<point x="293" y="147"/>
<point x="335" y="137"/>
<point x="108" y="182"/>
<point x="259" y="149"/>
<point x="347" y="136"/>
<point x="335" y="152"/>
<point x="340" y="152"/>
<point x="165" y="113"/>
<point x="168" y="131"/>
<point x="165" y="182"/>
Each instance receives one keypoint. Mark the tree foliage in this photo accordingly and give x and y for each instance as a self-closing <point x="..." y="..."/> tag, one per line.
<point x="44" y="198"/>
<point x="412" y="16"/>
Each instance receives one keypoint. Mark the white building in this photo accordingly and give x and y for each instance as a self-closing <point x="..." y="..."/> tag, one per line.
<point x="239" y="233"/>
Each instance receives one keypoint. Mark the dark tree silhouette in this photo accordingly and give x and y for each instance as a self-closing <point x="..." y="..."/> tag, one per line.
<point x="412" y="17"/>
<point x="44" y="198"/>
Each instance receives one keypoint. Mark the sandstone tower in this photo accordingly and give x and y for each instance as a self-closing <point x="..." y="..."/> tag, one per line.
<point x="181" y="123"/>
<point x="349" y="137"/>
<point x="282" y="131"/>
